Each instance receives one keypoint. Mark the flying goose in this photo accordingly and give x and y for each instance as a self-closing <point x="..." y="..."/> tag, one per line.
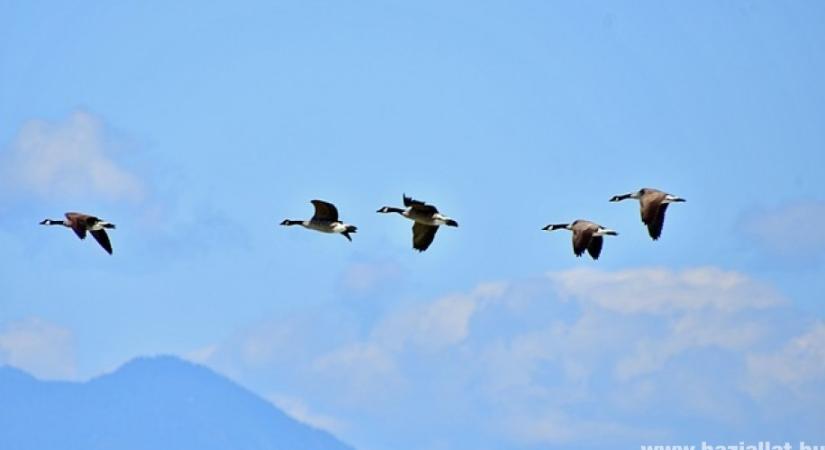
<point x="81" y="223"/>
<point x="324" y="220"/>
<point x="586" y="236"/>
<point x="653" y="204"/>
<point x="427" y="220"/>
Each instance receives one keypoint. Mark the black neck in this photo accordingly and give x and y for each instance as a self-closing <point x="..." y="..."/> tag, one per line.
<point x="292" y="222"/>
<point x="392" y="209"/>
<point x="557" y="226"/>
<point x="52" y="222"/>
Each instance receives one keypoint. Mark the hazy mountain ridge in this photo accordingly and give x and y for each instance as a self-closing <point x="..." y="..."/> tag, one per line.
<point x="149" y="403"/>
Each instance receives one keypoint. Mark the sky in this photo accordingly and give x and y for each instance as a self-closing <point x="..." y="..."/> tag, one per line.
<point x="197" y="128"/>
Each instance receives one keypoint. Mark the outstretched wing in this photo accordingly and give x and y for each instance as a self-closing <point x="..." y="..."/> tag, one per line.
<point x="581" y="240"/>
<point x="103" y="239"/>
<point x="77" y="222"/>
<point x="654" y="228"/>
<point x="419" y="206"/>
<point x="649" y="206"/>
<point x="325" y="211"/>
<point x="595" y="247"/>
<point x="423" y="236"/>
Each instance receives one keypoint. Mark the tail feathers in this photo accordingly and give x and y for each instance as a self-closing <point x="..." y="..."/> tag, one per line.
<point x="451" y="223"/>
<point x="108" y="225"/>
<point x="351" y="229"/>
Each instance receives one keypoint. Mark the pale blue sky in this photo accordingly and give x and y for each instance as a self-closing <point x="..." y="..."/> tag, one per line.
<point x="198" y="128"/>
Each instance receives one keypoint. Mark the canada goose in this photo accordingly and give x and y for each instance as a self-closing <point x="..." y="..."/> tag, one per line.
<point x="324" y="220"/>
<point x="586" y="236"/>
<point x="427" y="220"/>
<point x="653" y="204"/>
<point x="81" y="223"/>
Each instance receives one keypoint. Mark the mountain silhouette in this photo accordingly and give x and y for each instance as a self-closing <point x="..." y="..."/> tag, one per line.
<point x="148" y="404"/>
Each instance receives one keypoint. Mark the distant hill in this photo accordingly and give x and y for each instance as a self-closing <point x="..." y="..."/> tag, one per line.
<point x="148" y="404"/>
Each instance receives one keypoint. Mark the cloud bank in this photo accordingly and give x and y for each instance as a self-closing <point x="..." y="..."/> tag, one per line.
<point x="71" y="158"/>
<point x="580" y="358"/>
<point x="44" y="349"/>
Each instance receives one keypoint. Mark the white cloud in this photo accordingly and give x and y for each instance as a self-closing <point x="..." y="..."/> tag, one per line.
<point x="799" y="362"/>
<point x="41" y="348"/>
<point x="662" y="291"/>
<point x="579" y="356"/>
<point x="690" y="331"/>
<point x="300" y="411"/>
<point x="558" y="428"/>
<point x="440" y="323"/>
<point x="201" y="355"/>
<point x="72" y="158"/>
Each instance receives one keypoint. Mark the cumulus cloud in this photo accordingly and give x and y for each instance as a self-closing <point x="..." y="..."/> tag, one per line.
<point x="584" y="357"/>
<point x="69" y="158"/>
<point x="558" y="428"/>
<point x="799" y="362"/>
<point x="300" y="411"/>
<point x="44" y="349"/>
<point x="663" y="291"/>
<point x="443" y="322"/>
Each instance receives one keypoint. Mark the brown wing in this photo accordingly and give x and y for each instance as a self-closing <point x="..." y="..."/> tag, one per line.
<point x="78" y="223"/>
<point x="325" y="211"/>
<point x="423" y="236"/>
<point x="581" y="240"/>
<point x="420" y="206"/>
<point x="103" y="239"/>
<point x="649" y="206"/>
<point x="654" y="228"/>
<point x="595" y="247"/>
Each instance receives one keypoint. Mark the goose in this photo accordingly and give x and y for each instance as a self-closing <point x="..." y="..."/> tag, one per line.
<point x="324" y="220"/>
<point x="81" y="223"/>
<point x="653" y="204"/>
<point x="427" y="220"/>
<point x="586" y="236"/>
